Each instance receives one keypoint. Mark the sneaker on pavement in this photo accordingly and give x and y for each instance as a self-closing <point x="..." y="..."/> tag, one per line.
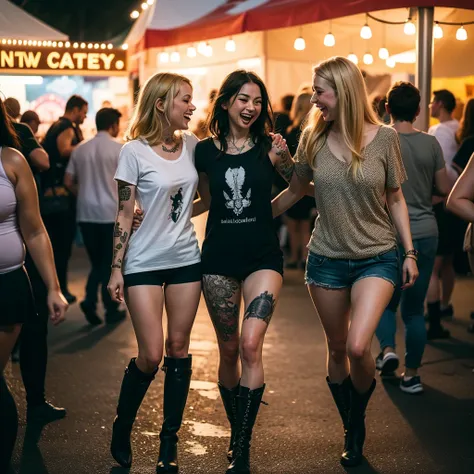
<point x="44" y="413"/>
<point x="387" y="364"/>
<point x="411" y="385"/>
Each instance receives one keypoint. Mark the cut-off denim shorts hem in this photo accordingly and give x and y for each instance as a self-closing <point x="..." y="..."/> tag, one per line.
<point x="337" y="274"/>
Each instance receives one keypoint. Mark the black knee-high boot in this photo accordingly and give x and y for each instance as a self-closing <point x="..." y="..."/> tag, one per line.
<point x="229" y="399"/>
<point x="8" y="425"/>
<point x="341" y="393"/>
<point x="135" y="384"/>
<point x="352" y="455"/>
<point x="177" y="381"/>
<point x="248" y="403"/>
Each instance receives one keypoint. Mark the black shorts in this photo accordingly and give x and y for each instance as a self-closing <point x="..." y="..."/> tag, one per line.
<point x="171" y="276"/>
<point x="301" y="211"/>
<point x="16" y="298"/>
<point x="240" y="270"/>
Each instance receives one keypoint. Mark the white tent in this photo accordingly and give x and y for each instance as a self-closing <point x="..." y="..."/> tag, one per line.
<point x="15" y="23"/>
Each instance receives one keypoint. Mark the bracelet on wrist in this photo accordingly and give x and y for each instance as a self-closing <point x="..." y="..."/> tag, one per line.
<point x="413" y="252"/>
<point x="412" y="257"/>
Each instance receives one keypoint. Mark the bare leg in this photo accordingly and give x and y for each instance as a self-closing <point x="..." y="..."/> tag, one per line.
<point x="261" y="291"/>
<point x="369" y="298"/>
<point x="305" y="235"/>
<point x="223" y="296"/>
<point x="295" y="238"/>
<point x="333" y="309"/>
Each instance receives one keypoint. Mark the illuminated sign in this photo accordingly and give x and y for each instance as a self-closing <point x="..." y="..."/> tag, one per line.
<point x="62" y="61"/>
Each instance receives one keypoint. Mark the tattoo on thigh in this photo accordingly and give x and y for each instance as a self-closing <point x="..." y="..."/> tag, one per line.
<point x="261" y="307"/>
<point x="218" y="291"/>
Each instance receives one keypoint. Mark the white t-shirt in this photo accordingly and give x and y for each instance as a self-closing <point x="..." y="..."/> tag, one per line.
<point x="165" y="192"/>
<point x="445" y="132"/>
<point x="93" y="164"/>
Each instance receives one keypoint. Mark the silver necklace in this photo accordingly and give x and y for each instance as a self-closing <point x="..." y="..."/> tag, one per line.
<point x="239" y="149"/>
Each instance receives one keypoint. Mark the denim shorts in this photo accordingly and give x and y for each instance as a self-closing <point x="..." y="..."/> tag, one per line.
<point x="338" y="273"/>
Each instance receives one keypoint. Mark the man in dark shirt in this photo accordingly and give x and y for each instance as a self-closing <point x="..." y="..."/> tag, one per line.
<point x="60" y="140"/>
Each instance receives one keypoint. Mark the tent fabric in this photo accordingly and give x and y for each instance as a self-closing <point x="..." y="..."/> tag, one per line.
<point x="172" y="22"/>
<point x="15" y="23"/>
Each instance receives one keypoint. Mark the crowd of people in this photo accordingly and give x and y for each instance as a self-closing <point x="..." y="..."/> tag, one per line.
<point x="379" y="241"/>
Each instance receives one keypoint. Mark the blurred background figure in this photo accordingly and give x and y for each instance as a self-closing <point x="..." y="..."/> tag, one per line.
<point x="12" y="106"/>
<point x="378" y="104"/>
<point x="31" y="118"/>
<point x="201" y="131"/>
<point x="90" y="177"/>
<point x="282" y="117"/>
<point x="58" y="207"/>
<point x="465" y="138"/>
<point x="299" y="217"/>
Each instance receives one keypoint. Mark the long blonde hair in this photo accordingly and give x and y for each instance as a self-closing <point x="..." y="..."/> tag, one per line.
<point x="300" y="108"/>
<point x="147" y="121"/>
<point x="354" y="110"/>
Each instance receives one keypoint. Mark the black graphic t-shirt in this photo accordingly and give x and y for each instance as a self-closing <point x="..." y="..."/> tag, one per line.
<point x="240" y="228"/>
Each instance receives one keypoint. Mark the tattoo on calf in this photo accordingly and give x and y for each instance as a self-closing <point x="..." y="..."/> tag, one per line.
<point x="261" y="307"/>
<point x="285" y="165"/>
<point x="218" y="291"/>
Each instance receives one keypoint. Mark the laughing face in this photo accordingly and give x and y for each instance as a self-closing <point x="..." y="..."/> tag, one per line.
<point x="245" y="107"/>
<point x="182" y="108"/>
<point x="324" y="98"/>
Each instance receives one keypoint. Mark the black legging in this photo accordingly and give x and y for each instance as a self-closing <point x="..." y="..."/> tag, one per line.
<point x="34" y="345"/>
<point x="8" y="425"/>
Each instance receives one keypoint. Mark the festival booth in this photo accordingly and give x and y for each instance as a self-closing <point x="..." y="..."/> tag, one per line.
<point x="282" y="39"/>
<point x="41" y="68"/>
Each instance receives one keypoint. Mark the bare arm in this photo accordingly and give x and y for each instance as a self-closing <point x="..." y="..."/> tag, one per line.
<point x="39" y="159"/>
<point x="461" y="199"/>
<point x="32" y="229"/>
<point x="123" y="222"/>
<point x="202" y="204"/>
<point x="442" y="182"/>
<point x="290" y="195"/>
<point x="64" y="142"/>
<point x="70" y="183"/>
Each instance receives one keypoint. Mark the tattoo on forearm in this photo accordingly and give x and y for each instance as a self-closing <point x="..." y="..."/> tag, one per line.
<point x="122" y="236"/>
<point x="124" y="194"/>
<point x="218" y="293"/>
<point x="261" y="307"/>
<point x="285" y="165"/>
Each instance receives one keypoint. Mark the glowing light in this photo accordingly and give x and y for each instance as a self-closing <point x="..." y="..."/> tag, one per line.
<point x="202" y="48"/>
<point x="103" y="46"/>
<point x="383" y="53"/>
<point x="191" y="52"/>
<point x="14" y="41"/>
<point x="175" y="57"/>
<point x="230" y="46"/>
<point x="329" y="40"/>
<point x="125" y="46"/>
<point x="144" y="6"/>
<point x="119" y="64"/>
<point x="366" y="32"/>
<point x="90" y="45"/>
<point x="390" y="62"/>
<point x="209" y="51"/>
<point x="75" y="45"/>
<point x="135" y="14"/>
<point x="368" y="58"/>
<point x="299" y="44"/>
<point x="60" y="44"/>
<point x="437" y="31"/>
<point x="150" y="2"/>
<point x="461" y="34"/>
<point x="409" y="28"/>
<point x="83" y="45"/>
<point x="96" y="46"/>
<point x="352" y="57"/>
<point x="67" y="44"/>
<point x="54" y="44"/>
<point x="164" y="57"/>
<point x="110" y="46"/>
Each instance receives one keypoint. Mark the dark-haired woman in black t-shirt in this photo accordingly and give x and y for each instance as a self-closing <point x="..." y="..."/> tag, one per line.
<point x="241" y="255"/>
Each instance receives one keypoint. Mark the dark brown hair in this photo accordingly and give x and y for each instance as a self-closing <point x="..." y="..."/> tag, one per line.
<point x="8" y="136"/>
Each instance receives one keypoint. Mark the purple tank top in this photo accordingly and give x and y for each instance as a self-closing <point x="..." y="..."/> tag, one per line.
<point x="12" y="248"/>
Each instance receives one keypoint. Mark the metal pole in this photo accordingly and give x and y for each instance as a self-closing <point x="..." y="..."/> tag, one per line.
<point x="424" y="60"/>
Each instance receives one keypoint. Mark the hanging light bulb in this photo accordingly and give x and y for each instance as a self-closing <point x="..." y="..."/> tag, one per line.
<point x="383" y="53"/>
<point x="390" y="62"/>
<point x="409" y="28"/>
<point x="230" y="46"/>
<point x="366" y="32"/>
<point x="461" y="34"/>
<point x="352" y="57"/>
<point x="299" y="44"/>
<point x="368" y="58"/>
<point x="202" y="48"/>
<point x="191" y="52"/>
<point x="437" y="31"/>
<point x="209" y="51"/>
<point x="135" y="14"/>
<point x="329" y="40"/>
<point x="175" y="57"/>
<point x="164" y="57"/>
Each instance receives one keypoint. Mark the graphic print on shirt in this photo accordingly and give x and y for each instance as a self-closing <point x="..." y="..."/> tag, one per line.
<point x="176" y="205"/>
<point x="235" y="178"/>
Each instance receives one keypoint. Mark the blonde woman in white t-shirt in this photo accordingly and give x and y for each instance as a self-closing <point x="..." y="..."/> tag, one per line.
<point x="160" y="263"/>
<point x="352" y="267"/>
